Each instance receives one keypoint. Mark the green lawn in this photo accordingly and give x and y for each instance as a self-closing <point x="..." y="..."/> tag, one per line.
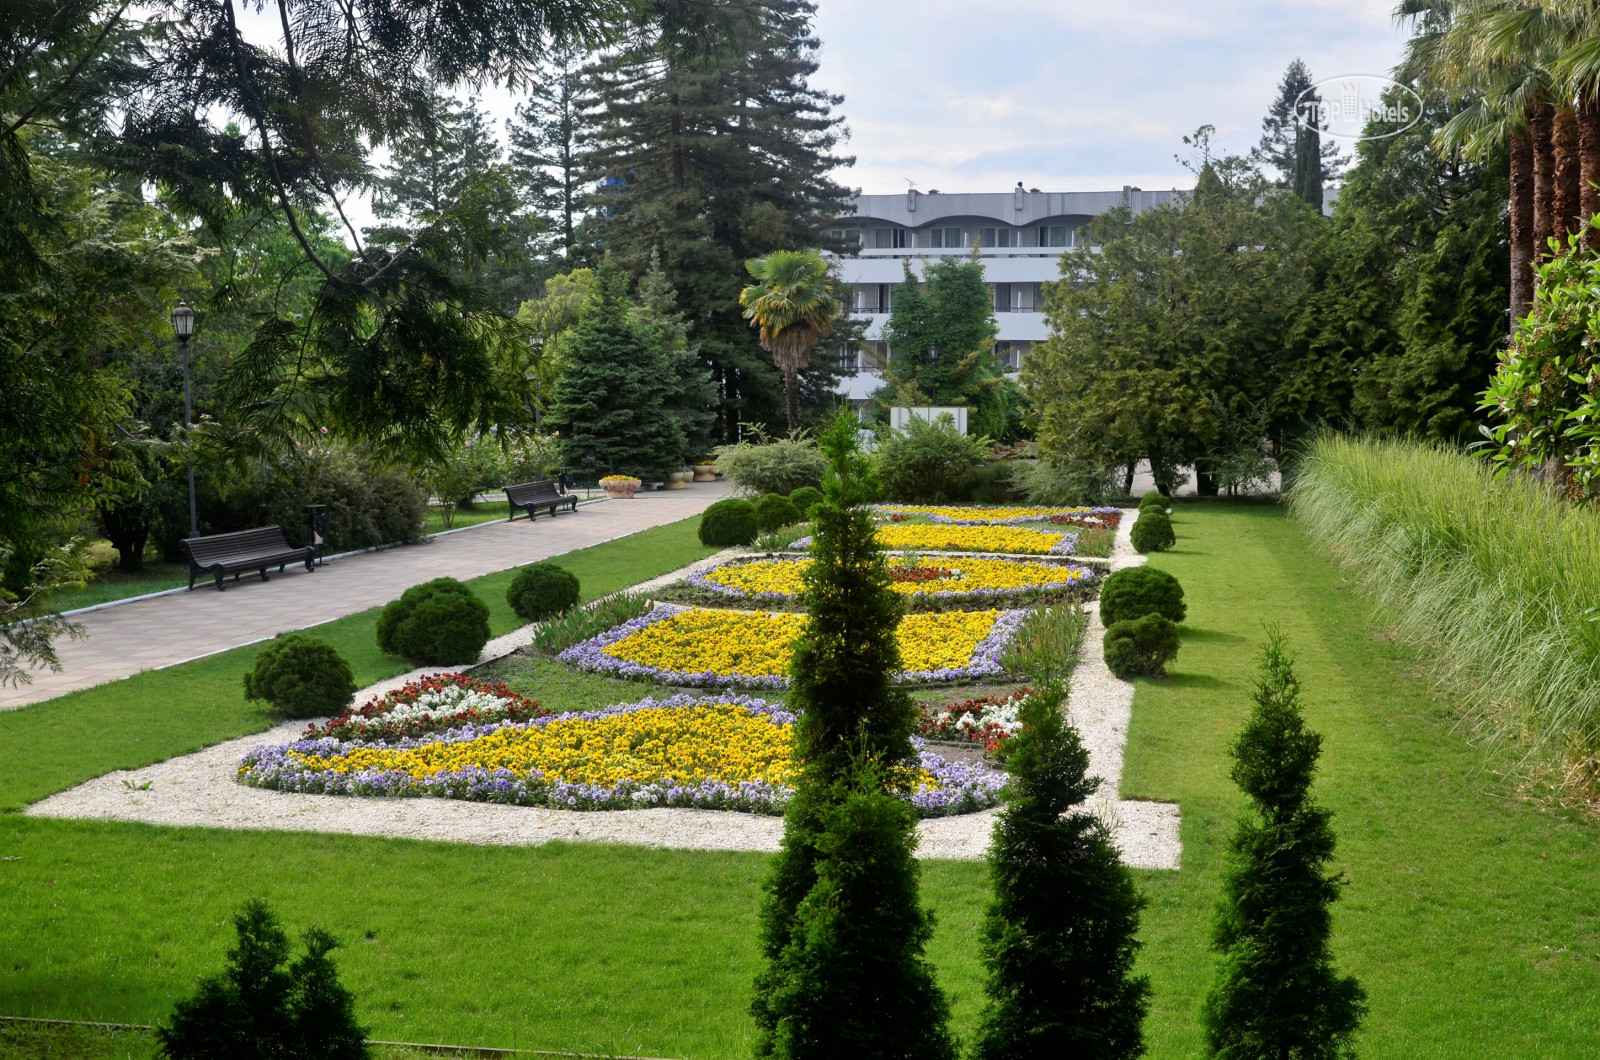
<point x="1471" y="917"/>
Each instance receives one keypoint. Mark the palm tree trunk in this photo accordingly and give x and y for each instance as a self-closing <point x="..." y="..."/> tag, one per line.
<point x="791" y="391"/>
<point x="1521" y="226"/>
<point x="1565" y="158"/>
<point x="1540" y="119"/>
<point x="1589" y="165"/>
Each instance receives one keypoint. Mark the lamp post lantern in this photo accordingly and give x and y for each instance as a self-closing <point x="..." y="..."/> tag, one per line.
<point x="183" y="328"/>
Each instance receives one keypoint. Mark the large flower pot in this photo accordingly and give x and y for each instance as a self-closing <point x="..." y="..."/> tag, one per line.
<point x="621" y="490"/>
<point x="705" y="473"/>
<point x="678" y="480"/>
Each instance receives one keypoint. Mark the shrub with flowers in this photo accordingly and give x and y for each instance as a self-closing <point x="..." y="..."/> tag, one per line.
<point x="711" y="646"/>
<point x="780" y="579"/>
<point x="988" y="515"/>
<point x="990" y="720"/>
<point x="719" y="752"/>
<point x="429" y="704"/>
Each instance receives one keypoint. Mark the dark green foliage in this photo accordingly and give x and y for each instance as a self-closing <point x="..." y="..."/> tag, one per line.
<point x="439" y="623"/>
<point x="1154" y="501"/>
<point x="1060" y="935"/>
<point x="804" y="498"/>
<point x="1277" y="993"/>
<point x="773" y="511"/>
<point x="728" y="523"/>
<point x="1140" y="647"/>
<point x="842" y="928"/>
<point x="1152" y="532"/>
<point x="610" y="402"/>
<point x="543" y="591"/>
<point x="582" y="623"/>
<point x="926" y="462"/>
<point x="951" y="311"/>
<point x="988" y="484"/>
<point x="259" y="1010"/>
<point x="1134" y="592"/>
<point x="302" y="676"/>
<point x="1280" y="144"/>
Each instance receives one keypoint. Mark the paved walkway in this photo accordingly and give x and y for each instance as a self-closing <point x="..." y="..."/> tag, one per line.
<point x="154" y="633"/>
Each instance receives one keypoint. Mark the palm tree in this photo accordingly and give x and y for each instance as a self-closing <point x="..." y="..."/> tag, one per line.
<point x="792" y="304"/>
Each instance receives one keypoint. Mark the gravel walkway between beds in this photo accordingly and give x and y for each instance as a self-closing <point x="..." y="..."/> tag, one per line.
<point x="199" y="789"/>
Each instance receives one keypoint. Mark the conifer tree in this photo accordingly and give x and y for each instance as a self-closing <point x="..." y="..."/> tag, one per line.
<point x="1281" y="142"/>
<point x="1059" y="938"/>
<point x="942" y="330"/>
<point x="545" y="154"/>
<point x="609" y="406"/>
<point x="843" y="929"/>
<point x="1277" y="995"/>
<point x="693" y="402"/>
<point x="714" y="158"/>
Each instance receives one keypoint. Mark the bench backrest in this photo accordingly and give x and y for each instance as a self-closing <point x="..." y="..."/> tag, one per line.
<point x="532" y="491"/>
<point x="238" y="543"/>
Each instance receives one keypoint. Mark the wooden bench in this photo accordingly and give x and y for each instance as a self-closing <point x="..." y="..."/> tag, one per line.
<point x="244" y="550"/>
<point x="541" y="494"/>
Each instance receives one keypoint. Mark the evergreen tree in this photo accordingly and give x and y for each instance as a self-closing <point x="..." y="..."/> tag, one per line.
<point x="941" y="336"/>
<point x="545" y="154"/>
<point x="693" y="402"/>
<point x="1281" y="143"/>
<point x="1059" y="938"/>
<point x="1277" y="994"/>
<point x="842" y="927"/>
<point x="714" y="158"/>
<point x="609" y="405"/>
<point x="1308" y="165"/>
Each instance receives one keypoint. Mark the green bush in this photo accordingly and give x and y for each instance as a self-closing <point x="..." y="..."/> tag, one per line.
<point x="1141" y="647"/>
<point x="773" y="511"/>
<point x="1047" y="482"/>
<point x="989" y="484"/>
<point x="581" y="623"/>
<point x="1138" y="591"/>
<point x="805" y="498"/>
<point x="727" y="523"/>
<point x="763" y="466"/>
<point x="1154" y="502"/>
<point x="1153" y="532"/>
<point x="437" y="623"/>
<point x="302" y="676"/>
<point x="925" y="462"/>
<point x="542" y="591"/>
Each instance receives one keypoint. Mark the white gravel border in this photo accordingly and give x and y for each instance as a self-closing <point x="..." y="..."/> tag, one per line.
<point x="198" y="790"/>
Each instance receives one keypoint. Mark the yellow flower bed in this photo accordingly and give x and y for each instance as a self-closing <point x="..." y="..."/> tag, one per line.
<point x="974" y="575"/>
<point x="1013" y="539"/>
<point x="979" y="515"/>
<point x="684" y="745"/>
<point x="942" y="640"/>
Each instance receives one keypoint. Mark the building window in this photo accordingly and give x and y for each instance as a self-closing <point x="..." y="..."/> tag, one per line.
<point x="885" y="297"/>
<point x="899" y="238"/>
<point x="1007" y="238"/>
<point x="1002" y="297"/>
<point x="986" y="236"/>
<point x="952" y="237"/>
<point x="882" y="238"/>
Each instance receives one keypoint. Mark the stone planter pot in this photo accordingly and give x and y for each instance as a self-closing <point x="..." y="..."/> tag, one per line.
<point x="705" y="473"/>
<point x="678" y="480"/>
<point x="619" y="491"/>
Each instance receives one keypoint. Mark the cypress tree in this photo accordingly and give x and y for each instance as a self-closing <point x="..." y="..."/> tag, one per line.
<point x="715" y="158"/>
<point x="609" y="406"/>
<point x="1277" y="994"/>
<point x="843" y="930"/>
<point x="1059" y="937"/>
<point x="1308" y="164"/>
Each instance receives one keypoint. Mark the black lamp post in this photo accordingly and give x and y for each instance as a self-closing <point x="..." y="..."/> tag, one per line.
<point x="183" y="328"/>
<point x="933" y="387"/>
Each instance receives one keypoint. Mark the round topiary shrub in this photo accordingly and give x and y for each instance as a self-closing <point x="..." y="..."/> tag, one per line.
<point x="437" y="623"/>
<point x="542" y="591"/>
<point x="1142" y="647"/>
<point x="1154" y="500"/>
<point x="773" y="511"/>
<point x="805" y="498"/>
<point x="1138" y="591"/>
<point x="301" y="676"/>
<point x="1153" y="532"/>
<point x="728" y="523"/>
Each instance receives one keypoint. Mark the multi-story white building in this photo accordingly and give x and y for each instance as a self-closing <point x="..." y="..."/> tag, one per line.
<point x="1020" y="235"/>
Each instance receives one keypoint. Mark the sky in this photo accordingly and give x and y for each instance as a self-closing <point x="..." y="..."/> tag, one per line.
<point x="1072" y="95"/>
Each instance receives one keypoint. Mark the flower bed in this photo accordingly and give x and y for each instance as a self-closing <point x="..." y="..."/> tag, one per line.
<point x="780" y="579"/>
<point x="1016" y="540"/>
<point x="1109" y="519"/>
<point x="989" y="515"/>
<point x="720" y="752"/>
<point x="710" y="646"/>
<point x="990" y="720"/>
<point x="429" y="704"/>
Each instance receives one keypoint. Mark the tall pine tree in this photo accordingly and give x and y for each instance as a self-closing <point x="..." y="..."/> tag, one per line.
<point x="1282" y="144"/>
<point x="714" y="158"/>
<point x="545" y="137"/>
<point x="843" y="929"/>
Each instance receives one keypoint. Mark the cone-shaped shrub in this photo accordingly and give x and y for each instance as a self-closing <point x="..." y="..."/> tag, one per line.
<point x="1140" y="647"/>
<point x="1060" y="935"/>
<point x="1276" y="992"/>
<point x="728" y="523"/>
<point x="259" y="1010"/>
<point x="1153" y="532"/>
<point x="543" y="591"/>
<point x="301" y="675"/>
<point x="773" y="511"/>
<point x="848" y="837"/>
<point x="1134" y="592"/>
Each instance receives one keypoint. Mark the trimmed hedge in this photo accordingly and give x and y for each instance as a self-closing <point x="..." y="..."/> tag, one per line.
<point x="773" y="511"/>
<point x="542" y="591"/>
<point x="727" y="523"/>
<point x="805" y="498"/>
<point x="1141" y="647"/>
<point x="437" y="623"/>
<point x="1153" y="532"/>
<point x="1138" y="591"/>
<point x="1154" y="500"/>
<point x="302" y="676"/>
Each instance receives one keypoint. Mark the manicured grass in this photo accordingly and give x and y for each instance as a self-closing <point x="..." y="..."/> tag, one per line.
<point x="482" y="512"/>
<point x="158" y="714"/>
<point x="108" y="585"/>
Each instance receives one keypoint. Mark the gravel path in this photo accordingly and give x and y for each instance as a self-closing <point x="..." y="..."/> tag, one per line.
<point x="199" y="789"/>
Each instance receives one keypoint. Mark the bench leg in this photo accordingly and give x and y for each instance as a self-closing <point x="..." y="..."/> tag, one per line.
<point x="311" y="564"/>
<point x="263" y="573"/>
<point x="221" y="577"/>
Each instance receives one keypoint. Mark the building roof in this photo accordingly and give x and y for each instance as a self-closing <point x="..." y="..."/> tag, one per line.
<point x="1017" y="207"/>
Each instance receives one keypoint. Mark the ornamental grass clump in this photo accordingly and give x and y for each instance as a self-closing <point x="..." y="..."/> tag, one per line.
<point x="302" y="676"/>
<point x="1061" y="932"/>
<point x="1140" y="647"/>
<point x="843" y="928"/>
<point x="1134" y="592"/>
<point x="543" y="591"/>
<point x="773" y="511"/>
<point x="582" y="623"/>
<point x="1276" y="991"/>
<point x="728" y="523"/>
<point x="1153" y="532"/>
<point x="258" y="1009"/>
<point x="437" y="623"/>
